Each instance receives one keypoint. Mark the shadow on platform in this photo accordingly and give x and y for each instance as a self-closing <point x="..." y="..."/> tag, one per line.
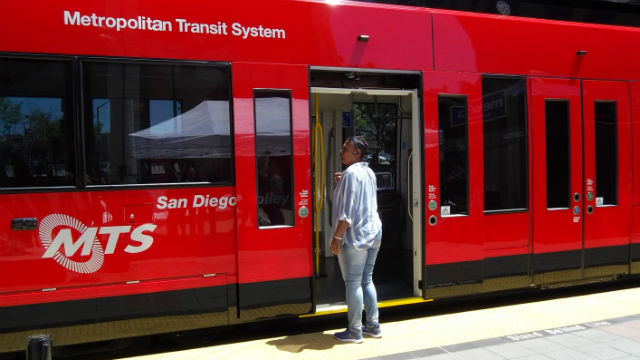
<point x="299" y="343"/>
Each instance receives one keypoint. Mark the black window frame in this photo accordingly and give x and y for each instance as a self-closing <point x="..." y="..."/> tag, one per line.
<point x="161" y="62"/>
<point x="74" y="114"/>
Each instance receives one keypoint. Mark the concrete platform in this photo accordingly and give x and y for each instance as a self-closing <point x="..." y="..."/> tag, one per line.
<point x="595" y="326"/>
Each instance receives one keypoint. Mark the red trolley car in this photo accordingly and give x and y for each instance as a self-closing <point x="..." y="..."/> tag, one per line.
<point x="167" y="166"/>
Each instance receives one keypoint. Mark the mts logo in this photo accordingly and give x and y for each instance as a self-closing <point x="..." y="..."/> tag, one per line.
<point x="63" y="246"/>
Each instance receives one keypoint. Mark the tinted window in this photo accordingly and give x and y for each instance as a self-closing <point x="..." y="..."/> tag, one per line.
<point x="505" y="143"/>
<point x="606" y="152"/>
<point x="454" y="158"/>
<point x="558" y="157"/>
<point x="36" y="123"/>
<point x="157" y="123"/>
<point x="274" y="157"/>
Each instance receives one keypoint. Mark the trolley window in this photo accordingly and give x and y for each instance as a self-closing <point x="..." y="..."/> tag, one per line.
<point x="558" y="155"/>
<point x="606" y="153"/>
<point x="36" y="123"/>
<point x="505" y="144"/>
<point x="274" y="158"/>
<point x="454" y="157"/>
<point x="378" y="123"/>
<point x="149" y="123"/>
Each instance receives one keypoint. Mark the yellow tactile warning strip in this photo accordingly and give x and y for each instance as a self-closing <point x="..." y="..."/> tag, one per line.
<point x="382" y="304"/>
<point x="429" y="332"/>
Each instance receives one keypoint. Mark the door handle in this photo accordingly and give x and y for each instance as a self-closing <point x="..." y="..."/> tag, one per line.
<point x="19" y="224"/>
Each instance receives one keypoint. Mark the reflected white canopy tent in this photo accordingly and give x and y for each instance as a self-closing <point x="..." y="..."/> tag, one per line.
<point x="204" y="132"/>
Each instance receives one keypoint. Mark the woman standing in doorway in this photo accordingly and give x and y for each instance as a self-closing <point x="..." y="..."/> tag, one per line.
<point x="356" y="240"/>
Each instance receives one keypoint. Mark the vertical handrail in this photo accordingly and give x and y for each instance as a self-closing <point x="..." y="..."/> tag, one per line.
<point x="410" y="187"/>
<point x="318" y="187"/>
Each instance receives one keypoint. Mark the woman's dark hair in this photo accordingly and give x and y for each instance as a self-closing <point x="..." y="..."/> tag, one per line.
<point x="359" y="143"/>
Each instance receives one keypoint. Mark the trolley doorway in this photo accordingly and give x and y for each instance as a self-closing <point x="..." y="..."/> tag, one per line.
<point x="389" y="120"/>
<point x="581" y="182"/>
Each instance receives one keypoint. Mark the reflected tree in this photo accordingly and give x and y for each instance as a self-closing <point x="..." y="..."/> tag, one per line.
<point x="10" y="116"/>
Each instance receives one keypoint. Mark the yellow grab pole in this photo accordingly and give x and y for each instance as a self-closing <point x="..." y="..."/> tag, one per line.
<point x="318" y="178"/>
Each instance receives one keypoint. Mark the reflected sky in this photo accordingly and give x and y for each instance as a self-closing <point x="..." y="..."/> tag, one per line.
<point x="29" y="105"/>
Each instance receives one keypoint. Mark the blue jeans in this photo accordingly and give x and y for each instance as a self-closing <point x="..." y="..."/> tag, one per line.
<point x="357" y="271"/>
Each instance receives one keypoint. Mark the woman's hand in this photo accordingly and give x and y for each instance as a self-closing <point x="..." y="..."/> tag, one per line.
<point x="335" y="245"/>
<point x="337" y="176"/>
<point x="336" y="240"/>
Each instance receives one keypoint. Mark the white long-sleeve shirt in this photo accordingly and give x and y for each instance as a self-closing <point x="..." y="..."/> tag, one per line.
<point x="355" y="201"/>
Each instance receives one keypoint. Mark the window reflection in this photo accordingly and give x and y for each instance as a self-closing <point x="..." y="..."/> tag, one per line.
<point x="274" y="159"/>
<point x="36" y="131"/>
<point x="155" y="123"/>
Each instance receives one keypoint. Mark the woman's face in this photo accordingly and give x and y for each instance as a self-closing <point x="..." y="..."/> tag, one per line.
<point x="349" y="154"/>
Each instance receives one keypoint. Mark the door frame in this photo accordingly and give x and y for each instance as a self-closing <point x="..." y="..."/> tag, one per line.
<point x="414" y="203"/>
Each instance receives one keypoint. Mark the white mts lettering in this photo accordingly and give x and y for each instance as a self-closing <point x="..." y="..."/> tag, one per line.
<point x="166" y="203"/>
<point x="251" y="31"/>
<point x="182" y="25"/>
<point x="73" y="20"/>
<point x="236" y="29"/>
<point x="162" y="202"/>
<point x="244" y="32"/>
<point x="211" y="202"/>
<point x="206" y="201"/>
<point x="114" y="233"/>
<point x="198" y="201"/>
<point x="138" y="235"/>
<point x="70" y="248"/>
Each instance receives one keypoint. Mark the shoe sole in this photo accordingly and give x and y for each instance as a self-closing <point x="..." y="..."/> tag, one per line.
<point x="377" y="336"/>
<point x="353" y="341"/>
